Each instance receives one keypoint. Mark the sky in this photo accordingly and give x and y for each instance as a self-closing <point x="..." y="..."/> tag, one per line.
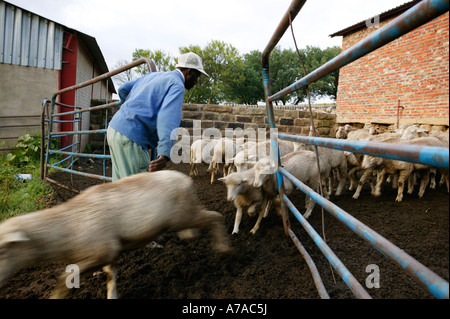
<point x="120" y="27"/>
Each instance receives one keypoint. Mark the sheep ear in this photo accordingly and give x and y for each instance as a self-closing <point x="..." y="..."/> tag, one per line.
<point x="222" y="179"/>
<point x="16" y="237"/>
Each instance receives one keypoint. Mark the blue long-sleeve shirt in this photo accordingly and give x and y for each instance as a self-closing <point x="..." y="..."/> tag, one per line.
<point x="151" y="109"/>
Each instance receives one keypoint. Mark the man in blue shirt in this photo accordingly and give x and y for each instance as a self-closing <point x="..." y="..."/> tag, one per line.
<point x="151" y="109"/>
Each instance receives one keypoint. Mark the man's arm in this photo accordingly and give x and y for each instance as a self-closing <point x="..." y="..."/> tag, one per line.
<point x="125" y="89"/>
<point x="169" y="118"/>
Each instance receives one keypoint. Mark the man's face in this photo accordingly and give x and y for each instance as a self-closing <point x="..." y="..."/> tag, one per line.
<point x="191" y="79"/>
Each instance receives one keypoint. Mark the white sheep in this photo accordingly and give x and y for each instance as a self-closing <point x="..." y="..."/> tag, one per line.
<point x="413" y="131"/>
<point x="224" y="152"/>
<point x="253" y="151"/>
<point x="201" y="152"/>
<point x="342" y="131"/>
<point x="241" y="192"/>
<point x="336" y="159"/>
<point x="302" y="165"/>
<point x="424" y="170"/>
<point x="93" y="228"/>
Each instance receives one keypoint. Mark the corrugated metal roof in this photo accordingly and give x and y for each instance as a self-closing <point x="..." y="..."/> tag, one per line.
<point x="29" y="40"/>
<point x="383" y="16"/>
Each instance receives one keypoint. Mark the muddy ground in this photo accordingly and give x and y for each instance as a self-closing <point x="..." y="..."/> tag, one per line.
<point x="267" y="265"/>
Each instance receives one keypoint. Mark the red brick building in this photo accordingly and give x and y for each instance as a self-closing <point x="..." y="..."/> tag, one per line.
<point x="414" y="69"/>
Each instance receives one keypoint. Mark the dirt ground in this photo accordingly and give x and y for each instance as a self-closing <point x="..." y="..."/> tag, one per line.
<point x="266" y="265"/>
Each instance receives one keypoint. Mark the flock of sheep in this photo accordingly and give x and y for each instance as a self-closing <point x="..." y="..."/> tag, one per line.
<point x="93" y="228"/>
<point x="251" y="182"/>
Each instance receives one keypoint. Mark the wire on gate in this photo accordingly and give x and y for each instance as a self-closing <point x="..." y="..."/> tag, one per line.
<point x="314" y="130"/>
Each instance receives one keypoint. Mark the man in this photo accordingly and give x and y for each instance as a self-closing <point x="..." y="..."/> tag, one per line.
<point x="151" y="109"/>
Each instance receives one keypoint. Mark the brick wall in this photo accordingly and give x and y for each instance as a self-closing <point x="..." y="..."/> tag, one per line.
<point x="413" y="69"/>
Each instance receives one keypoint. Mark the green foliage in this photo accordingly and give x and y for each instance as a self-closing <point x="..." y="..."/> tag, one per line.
<point x="20" y="197"/>
<point x="162" y="59"/>
<point x="28" y="150"/>
<point x="236" y="78"/>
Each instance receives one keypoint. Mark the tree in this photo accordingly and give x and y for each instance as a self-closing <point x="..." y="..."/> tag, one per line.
<point x="163" y="60"/>
<point x="249" y="89"/>
<point x="236" y="78"/>
<point x="125" y="76"/>
<point x="284" y="70"/>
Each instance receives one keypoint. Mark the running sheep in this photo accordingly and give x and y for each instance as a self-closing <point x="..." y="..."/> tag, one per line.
<point x="93" y="228"/>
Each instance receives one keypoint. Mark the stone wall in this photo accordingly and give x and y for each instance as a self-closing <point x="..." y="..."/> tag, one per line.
<point x="287" y="120"/>
<point x="224" y="116"/>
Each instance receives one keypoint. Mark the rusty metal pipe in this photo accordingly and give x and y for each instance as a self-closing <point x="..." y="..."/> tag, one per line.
<point x="351" y="282"/>
<point x="433" y="283"/>
<point x="104" y="76"/>
<point x="294" y="9"/>
<point x="428" y="155"/>
<point x="418" y="15"/>
<point x="312" y="266"/>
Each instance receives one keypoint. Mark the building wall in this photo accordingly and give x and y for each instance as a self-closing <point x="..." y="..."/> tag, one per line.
<point x="86" y="70"/>
<point x="22" y="90"/>
<point x="413" y="69"/>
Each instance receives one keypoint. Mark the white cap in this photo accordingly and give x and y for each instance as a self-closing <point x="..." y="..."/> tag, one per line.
<point x="191" y="61"/>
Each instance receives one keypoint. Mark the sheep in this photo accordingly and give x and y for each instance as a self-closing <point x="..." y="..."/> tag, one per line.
<point x="224" y="151"/>
<point x="336" y="159"/>
<point x="362" y="133"/>
<point x="93" y="228"/>
<point x="201" y="151"/>
<point x="240" y="190"/>
<point x="342" y="131"/>
<point x="253" y="151"/>
<point x="373" y="162"/>
<point x="424" y="170"/>
<point x="404" y="169"/>
<point x="412" y="132"/>
<point x="301" y="164"/>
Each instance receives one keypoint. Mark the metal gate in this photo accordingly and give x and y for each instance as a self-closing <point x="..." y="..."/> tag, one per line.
<point x="51" y="116"/>
<point x="418" y="15"/>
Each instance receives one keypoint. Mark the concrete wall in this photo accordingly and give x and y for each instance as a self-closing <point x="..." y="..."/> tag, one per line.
<point x="413" y="69"/>
<point x="22" y="90"/>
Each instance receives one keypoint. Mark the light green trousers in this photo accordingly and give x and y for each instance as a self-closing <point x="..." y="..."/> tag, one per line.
<point x="127" y="157"/>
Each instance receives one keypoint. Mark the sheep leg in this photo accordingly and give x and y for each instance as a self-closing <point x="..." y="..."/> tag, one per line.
<point x="61" y="290"/>
<point x="258" y="222"/>
<point x="403" y="176"/>
<point x="342" y="171"/>
<point x="213" y="171"/>
<point x="423" y="183"/>
<point x="237" y="221"/>
<point x="433" y="172"/>
<point x="191" y="172"/>
<point x="309" y="209"/>
<point x="111" y="284"/>
<point x="268" y="204"/>
<point x="410" y="184"/>
<point x="361" y="182"/>
<point x="380" y="180"/>
<point x="352" y="177"/>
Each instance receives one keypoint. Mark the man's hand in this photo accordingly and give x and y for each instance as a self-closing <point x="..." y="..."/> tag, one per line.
<point x="158" y="164"/>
